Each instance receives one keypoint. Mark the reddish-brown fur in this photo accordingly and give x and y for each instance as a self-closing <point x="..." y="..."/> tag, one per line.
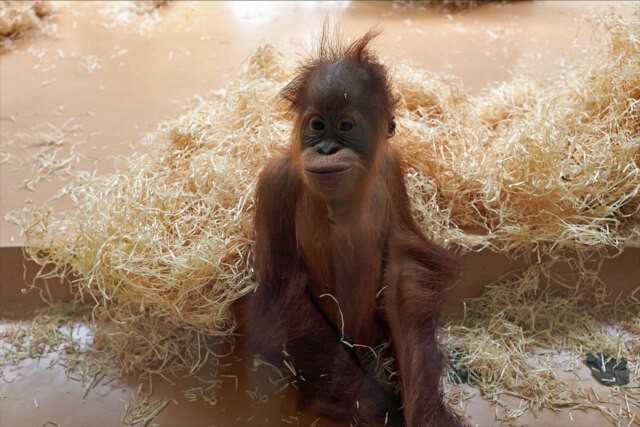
<point x="341" y="263"/>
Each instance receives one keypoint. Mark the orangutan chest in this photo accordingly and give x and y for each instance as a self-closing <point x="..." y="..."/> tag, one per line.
<point x="343" y="273"/>
<point x="335" y="257"/>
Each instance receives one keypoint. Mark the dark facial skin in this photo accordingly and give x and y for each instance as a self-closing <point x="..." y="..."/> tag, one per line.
<point x="340" y="128"/>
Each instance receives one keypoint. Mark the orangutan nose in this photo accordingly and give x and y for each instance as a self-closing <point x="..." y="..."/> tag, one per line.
<point x="327" y="148"/>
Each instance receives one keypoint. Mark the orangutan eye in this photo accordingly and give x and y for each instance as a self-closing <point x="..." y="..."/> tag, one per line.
<point x="316" y="123"/>
<point x="346" y="125"/>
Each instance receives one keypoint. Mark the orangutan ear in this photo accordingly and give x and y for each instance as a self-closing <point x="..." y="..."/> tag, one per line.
<point x="391" y="127"/>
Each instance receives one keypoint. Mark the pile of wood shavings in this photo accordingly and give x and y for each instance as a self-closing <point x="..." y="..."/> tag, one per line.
<point x="520" y="336"/>
<point x="143" y="14"/>
<point x="19" y="17"/>
<point x="61" y="334"/>
<point x="445" y="5"/>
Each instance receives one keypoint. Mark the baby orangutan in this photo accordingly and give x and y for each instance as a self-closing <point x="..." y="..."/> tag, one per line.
<point x="341" y="264"/>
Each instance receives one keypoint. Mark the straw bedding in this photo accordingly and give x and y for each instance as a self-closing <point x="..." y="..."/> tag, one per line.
<point x="542" y="169"/>
<point x="19" y="17"/>
<point x="446" y="5"/>
<point x="524" y="340"/>
<point x="141" y="14"/>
